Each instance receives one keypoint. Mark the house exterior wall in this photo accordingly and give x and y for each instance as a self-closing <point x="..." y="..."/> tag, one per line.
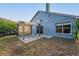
<point x="49" y="20"/>
<point x="34" y="30"/>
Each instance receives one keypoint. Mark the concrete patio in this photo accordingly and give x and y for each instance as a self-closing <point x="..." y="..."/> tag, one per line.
<point x="30" y="38"/>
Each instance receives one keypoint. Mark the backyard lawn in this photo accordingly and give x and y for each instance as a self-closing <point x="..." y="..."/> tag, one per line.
<point x="10" y="45"/>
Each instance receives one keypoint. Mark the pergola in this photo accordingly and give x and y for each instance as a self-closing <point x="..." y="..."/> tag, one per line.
<point x="24" y="28"/>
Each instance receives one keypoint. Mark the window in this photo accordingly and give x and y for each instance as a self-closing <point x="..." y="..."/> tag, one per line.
<point x="58" y="29"/>
<point x="66" y="28"/>
<point x="41" y="20"/>
<point x="40" y="29"/>
<point x="37" y="29"/>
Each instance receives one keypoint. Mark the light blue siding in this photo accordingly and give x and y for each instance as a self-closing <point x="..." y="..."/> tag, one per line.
<point x="49" y="21"/>
<point x="33" y="30"/>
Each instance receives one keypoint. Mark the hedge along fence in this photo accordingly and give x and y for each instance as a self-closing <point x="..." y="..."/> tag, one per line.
<point x="7" y="27"/>
<point x="77" y="29"/>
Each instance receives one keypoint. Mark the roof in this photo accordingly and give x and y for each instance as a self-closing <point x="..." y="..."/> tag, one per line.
<point x="24" y="23"/>
<point x="35" y="15"/>
<point x="53" y="13"/>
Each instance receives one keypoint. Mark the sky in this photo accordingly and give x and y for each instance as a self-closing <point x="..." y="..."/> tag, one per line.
<point x="25" y="11"/>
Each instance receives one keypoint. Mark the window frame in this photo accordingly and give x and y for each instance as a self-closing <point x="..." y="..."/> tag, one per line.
<point x="56" y="28"/>
<point x="67" y="29"/>
<point x="61" y="24"/>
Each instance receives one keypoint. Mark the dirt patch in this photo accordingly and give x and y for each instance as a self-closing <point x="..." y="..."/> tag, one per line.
<point x="7" y="44"/>
<point x="47" y="47"/>
<point x="42" y="47"/>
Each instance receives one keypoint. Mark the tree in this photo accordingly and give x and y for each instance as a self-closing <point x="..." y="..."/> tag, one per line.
<point x="7" y="26"/>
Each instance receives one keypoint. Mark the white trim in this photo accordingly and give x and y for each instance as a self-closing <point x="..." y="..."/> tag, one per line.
<point x="47" y="36"/>
<point x="62" y="28"/>
<point x="67" y="23"/>
<point x="59" y="33"/>
<point x="59" y="24"/>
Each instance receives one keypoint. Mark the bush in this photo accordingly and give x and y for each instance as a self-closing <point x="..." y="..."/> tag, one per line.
<point x="77" y="29"/>
<point x="7" y="27"/>
<point x="78" y="35"/>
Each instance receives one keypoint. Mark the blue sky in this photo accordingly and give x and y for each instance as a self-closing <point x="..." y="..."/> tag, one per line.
<point x="25" y="12"/>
